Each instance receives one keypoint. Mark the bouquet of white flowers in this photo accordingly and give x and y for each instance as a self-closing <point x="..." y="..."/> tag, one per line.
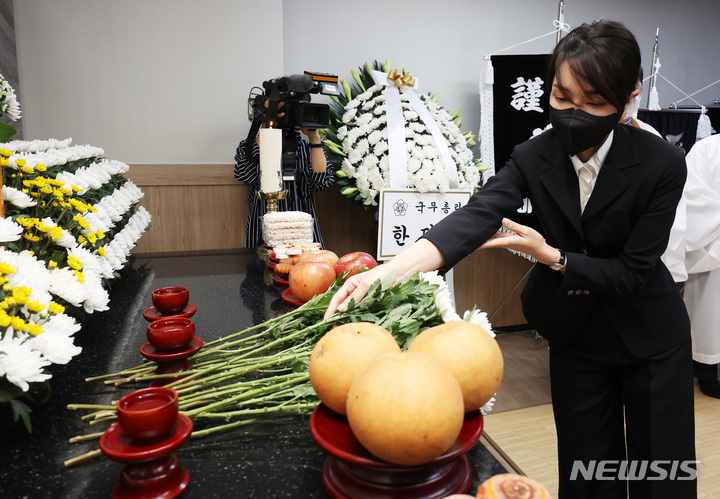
<point x="358" y="145"/>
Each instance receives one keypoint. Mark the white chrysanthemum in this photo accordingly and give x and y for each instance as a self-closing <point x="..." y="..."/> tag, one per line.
<point x="29" y="272"/>
<point x="96" y="297"/>
<point x="9" y="230"/>
<point x="20" y="363"/>
<point x="480" y="319"/>
<point x="443" y="300"/>
<point x="64" y="283"/>
<point x="17" y="197"/>
<point x="55" y="343"/>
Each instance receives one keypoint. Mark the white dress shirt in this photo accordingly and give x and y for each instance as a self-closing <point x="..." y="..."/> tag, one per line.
<point x="588" y="172"/>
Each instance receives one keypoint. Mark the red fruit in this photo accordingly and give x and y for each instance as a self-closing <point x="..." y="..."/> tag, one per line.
<point x="307" y="279"/>
<point x="354" y="262"/>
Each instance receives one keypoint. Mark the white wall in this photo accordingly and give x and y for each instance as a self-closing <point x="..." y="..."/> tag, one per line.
<point x="166" y="81"/>
<point x="150" y="81"/>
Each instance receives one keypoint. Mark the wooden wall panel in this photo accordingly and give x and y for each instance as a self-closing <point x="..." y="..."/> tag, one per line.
<point x="202" y="208"/>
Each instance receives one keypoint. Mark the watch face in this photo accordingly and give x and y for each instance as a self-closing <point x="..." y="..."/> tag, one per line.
<point x="556" y="266"/>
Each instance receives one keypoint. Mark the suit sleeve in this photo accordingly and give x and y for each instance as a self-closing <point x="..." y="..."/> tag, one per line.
<point x="464" y="230"/>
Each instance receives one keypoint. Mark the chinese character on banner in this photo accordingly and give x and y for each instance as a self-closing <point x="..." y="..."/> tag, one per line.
<point x="526" y="94"/>
<point x="406" y="214"/>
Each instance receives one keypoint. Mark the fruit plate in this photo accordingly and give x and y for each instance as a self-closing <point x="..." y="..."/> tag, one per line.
<point x="280" y="279"/>
<point x="351" y="471"/>
<point x="332" y="432"/>
<point x="290" y="299"/>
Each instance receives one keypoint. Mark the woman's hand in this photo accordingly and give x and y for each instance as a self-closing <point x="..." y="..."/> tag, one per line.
<point x="357" y="286"/>
<point x="525" y="240"/>
<point x="422" y="256"/>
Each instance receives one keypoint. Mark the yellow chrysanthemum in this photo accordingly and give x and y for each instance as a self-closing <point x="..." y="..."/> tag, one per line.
<point x="20" y="162"/>
<point x="79" y="275"/>
<point x="27" y="169"/>
<point x="58" y="194"/>
<point x="5" y="152"/>
<point x="92" y="237"/>
<point x="35" y="329"/>
<point x="101" y="251"/>
<point x="42" y="227"/>
<point x="35" y="306"/>
<point x="18" y="323"/>
<point x="5" y="319"/>
<point x="4" y="161"/>
<point x="25" y="221"/>
<point x="4" y="305"/>
<point x="100" y="234"/>
<point x="56" y="232"/>
<point x="52" y="264"/>
<point x="55" y="308"/>
<point x="65" y="190"/>
<point x="31" y="237"/>
<point x="5" y="268"/>
<point x="46" y="189"/>
<point x="82" y="240"/>
<point x="40" y="168"/>
<point x="7" y="288"/>
<point x="40" y="181"/>
<point x="74" y="263"/>
<point x="75" y="188"/>
<point x="83" y="223"/>
<point x="3" y="281"/>
<point x="21" y="299"/>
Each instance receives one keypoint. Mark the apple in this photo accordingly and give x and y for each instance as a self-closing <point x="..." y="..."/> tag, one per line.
<point x="319" y="256"/>
<point x="354" y="262"/>
<point x="307" y="279"/>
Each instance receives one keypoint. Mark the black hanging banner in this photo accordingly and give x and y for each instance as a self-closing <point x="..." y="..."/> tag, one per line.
<point x="520" y="101"/>
<point x="520" y="106"/>
<point x="679" y="127"/>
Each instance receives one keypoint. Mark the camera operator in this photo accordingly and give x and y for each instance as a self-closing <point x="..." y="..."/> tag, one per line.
<point x="312" y="173"/>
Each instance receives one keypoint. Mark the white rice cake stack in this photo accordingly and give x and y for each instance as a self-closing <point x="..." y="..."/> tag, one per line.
<point x="282" y="228"/>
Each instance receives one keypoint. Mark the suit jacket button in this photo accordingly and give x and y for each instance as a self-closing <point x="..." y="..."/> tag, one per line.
<point x="584" y="251"/>
<point x="577" y="292"/>
<point x="586" y="292"/>
<point x="570" y="292"/>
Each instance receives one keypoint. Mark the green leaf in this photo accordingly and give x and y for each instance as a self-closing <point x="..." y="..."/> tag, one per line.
<point x="7" y="132"/>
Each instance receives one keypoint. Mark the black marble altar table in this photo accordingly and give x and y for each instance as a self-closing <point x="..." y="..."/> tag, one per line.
<point x="276" y="458"/>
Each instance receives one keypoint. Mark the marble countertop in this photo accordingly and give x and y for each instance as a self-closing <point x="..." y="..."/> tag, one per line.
<point x="276" y="458"/>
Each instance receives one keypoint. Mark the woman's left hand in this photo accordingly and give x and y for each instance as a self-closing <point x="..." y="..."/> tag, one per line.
<point x="523" y="239"/>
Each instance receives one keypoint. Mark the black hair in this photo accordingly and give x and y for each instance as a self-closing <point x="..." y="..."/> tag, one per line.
<point x="604" y="56"/>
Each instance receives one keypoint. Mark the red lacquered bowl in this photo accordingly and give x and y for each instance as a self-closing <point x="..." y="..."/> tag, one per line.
<point x="170" y="300"/>
<point x="352" y="471"/>
<point x="148" y="415"/>
<point x="171" y="333"/>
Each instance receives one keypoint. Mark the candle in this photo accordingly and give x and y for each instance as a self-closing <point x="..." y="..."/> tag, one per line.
<point x="270" y="159"/>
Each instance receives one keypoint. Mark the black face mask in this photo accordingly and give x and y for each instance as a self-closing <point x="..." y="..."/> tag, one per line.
<point x="580" y="131"/>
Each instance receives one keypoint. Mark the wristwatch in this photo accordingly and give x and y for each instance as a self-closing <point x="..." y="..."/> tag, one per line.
<point x="560" y="263"/>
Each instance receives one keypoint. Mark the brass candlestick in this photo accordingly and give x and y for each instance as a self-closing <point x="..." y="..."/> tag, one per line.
<point x="271" y="205"/>
<point x="271" y="199"/>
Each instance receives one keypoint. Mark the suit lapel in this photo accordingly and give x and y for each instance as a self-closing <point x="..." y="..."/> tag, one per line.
<point x="561" y="182"/>
<point x="612" y="181"/>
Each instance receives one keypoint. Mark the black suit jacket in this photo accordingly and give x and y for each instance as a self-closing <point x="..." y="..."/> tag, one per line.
<point x="613" y="248"/>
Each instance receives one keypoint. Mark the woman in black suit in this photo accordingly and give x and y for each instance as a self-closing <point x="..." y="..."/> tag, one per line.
<point x="605" y="195"/>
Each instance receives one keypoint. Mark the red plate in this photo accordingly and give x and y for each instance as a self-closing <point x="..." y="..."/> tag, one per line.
<point x="151" y="314"/>
<point x="150" y="353"/>
<point x="332" y="432"/>
<point x="280" y="279"/>
<point x="290" y="299"/>
<point x="118" y="447"/>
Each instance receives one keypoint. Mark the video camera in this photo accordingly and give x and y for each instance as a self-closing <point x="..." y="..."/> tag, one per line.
<point x="294" y="92"/>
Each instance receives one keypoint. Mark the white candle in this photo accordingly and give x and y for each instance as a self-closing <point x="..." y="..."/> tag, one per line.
<point x="270" y="159"/>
